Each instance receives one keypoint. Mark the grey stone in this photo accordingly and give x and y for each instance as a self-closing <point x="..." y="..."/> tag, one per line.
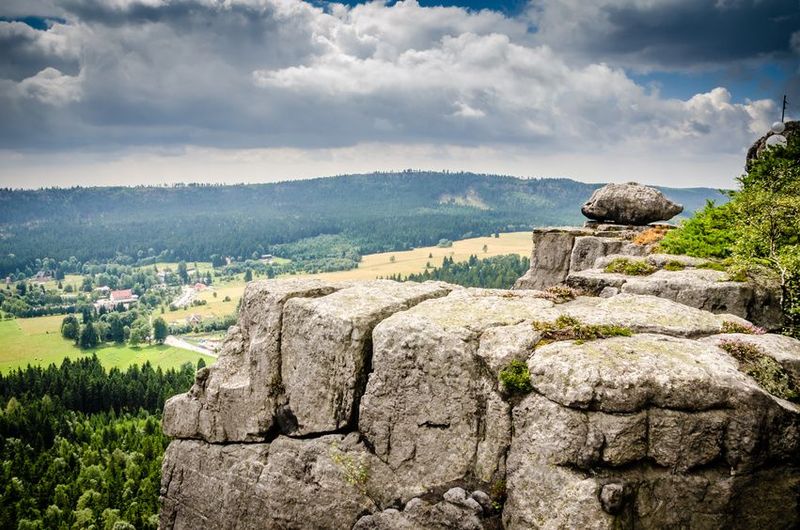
<point x="630" y="203"/>
<point x="483" y="499"/>
<point x="612" y="496"/>
<point x="431" y="410"/>
<point x="237" y="398"/>
<point x="588" y="249"/>
<point x="785" y="350"/>
<point x="455" y="495"/>
<point x="550" y="258"/>
<point x="325" y="348"/>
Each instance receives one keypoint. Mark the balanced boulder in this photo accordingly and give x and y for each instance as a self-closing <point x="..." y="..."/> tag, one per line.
<point x="631" y="204"/>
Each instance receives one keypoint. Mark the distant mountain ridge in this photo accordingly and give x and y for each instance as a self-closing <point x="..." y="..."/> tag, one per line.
<point x="377" y="212"/>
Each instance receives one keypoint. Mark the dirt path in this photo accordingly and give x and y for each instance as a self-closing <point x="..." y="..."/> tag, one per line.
<point x="177" y="342"/>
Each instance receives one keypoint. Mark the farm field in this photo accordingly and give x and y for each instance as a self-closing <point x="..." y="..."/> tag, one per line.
<point x="372" y="266"/>
<point x="413" y="261"/>
<point x="38" y="340"/>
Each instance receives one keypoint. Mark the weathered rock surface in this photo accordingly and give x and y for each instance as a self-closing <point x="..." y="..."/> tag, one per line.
<point x="630" y="204"/>
<point x="326" y="349"/>
<point x="550" y="257"/>
<point x="792" y="130"/>
<point x="657" y="429"/>
<point x="705" y="289"/>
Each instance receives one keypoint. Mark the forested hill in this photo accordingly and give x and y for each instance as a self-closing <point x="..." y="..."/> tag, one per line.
<point x="376" y="212"/>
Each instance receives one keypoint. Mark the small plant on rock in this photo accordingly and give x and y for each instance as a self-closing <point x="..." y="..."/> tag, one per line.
<point x="558" y="294"/>
<point x="516" y="378"/>
<point x="630" y="267"/>
<point x="767" y="372"/>
<point x="355" y="471"/>
<point x="674" y="265"/>
<point x="735" y="327"/>
<point x="566" y="327"/>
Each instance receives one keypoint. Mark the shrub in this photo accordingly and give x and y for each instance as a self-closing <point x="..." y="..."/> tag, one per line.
<point x="767" y="372"/>
<point x="650" y="236"/>
<point x="713" y="265"/>
<point x="516" y="378"/>
<point x="630" y="267"/>
<point x="709" y="234"/>
<point x="735" y="327"/>
<point x="566" y="327"/>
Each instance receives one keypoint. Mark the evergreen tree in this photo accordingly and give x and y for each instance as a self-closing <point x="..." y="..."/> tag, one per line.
<point x="70" y="328"/>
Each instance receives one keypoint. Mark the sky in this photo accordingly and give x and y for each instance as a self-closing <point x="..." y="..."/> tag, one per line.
<point x="667" y="92"/>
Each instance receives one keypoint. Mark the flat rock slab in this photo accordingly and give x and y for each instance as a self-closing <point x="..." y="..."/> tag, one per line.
<point x="326" y="348"/>
<point x="785" y="350"/>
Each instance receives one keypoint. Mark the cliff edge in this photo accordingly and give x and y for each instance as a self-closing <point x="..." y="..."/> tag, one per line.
<point x="385" y="405"/>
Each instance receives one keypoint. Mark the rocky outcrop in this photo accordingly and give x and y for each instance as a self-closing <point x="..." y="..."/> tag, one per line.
<point x="791" y="130"/>
<point x="578" y="257"/>
<point x="380" y="405"/>
<point x="629" y="204"/>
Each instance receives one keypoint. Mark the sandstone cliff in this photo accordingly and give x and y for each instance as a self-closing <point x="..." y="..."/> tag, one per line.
<point x="378" y="405"/>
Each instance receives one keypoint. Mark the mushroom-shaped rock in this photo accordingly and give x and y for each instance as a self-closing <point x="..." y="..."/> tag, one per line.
<point x="631" y="204"/>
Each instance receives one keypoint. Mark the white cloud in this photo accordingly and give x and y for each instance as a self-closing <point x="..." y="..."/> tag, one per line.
<point x="52" y="87"/>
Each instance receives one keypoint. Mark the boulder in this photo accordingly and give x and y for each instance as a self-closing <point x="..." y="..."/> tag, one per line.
<point x="630" y="204"/>
<point x="326" y="350"/>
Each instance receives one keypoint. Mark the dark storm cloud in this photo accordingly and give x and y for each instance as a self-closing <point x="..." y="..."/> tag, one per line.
<point x="671" y="34"/>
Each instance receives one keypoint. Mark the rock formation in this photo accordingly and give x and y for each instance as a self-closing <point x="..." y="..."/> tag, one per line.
<point x="379" y="406"/>
<point x="629" y="204"/>
<point x="579" y="258"/>
<point x="792" y="130"/>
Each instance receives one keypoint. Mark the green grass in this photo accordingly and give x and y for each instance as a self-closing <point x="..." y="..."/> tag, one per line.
<point x="630" y="267"/>
<point x="37" y="341"/>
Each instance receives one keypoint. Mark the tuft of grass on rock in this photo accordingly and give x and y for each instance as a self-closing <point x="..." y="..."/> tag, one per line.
<point x="516" y="378"/>
<point x="566" y="327"/>
<point x="767" y="372"/>
<point x="674" y="266"/>
<point x="559" y="294"/>
<point x="735" y="327"/>
<point x="630" y="267"/>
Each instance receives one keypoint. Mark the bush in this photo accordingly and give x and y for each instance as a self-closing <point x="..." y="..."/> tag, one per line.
<point x="709" y="234"/>
<point x="516" y="378"/>
<point x="630" y="267"/>
<point x="767" y="372"/>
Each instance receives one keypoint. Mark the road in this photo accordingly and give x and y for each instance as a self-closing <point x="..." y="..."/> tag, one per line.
<point x="177" y="342"/>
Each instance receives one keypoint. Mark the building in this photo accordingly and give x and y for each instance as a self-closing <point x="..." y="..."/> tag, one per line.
<point x="121" y="296"/>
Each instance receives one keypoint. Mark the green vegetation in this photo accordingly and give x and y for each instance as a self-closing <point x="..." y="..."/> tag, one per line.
<point x="81" y="447"/>
<point x="630" y="267"/>
<point x="354" y="470"/>
<point x="767" y="372"/>
<point x="38" y="341"/>
<point x="516" y="378"/>
<point x="759" y="229"/>
<point x="559" y="294"/>
<point x="498" y="272"/>
<point x="745" y="327"/>
<point x="382" y="212"/>
<point x="709" y="234"/>
<point x="673" y="265"/>
<point x="566" y="327"/>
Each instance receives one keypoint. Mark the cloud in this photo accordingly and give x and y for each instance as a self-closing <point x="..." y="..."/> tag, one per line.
<point x="677" y="35"/>
<point x="126" y="75"/>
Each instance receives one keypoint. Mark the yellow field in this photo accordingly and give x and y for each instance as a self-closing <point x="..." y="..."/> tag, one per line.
<point x="413" y="261"/>
<point x="371" y="267"/>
